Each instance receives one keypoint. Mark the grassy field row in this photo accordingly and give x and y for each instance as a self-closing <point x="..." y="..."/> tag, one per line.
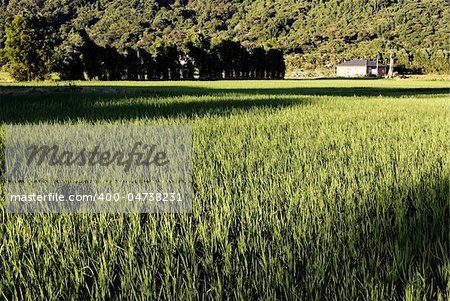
<point x="309" y="190"/>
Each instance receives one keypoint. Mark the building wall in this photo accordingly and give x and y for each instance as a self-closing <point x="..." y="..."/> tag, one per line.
<point x="373" y="71"/>
<point x="350" y="71"/>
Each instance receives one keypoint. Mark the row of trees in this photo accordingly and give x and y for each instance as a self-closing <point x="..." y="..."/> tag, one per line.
<point x="226" y="60"/>
<point x="29" y="55"/>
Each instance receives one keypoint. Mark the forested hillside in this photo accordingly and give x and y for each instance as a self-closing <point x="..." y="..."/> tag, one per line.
<point x="314" y="34"/>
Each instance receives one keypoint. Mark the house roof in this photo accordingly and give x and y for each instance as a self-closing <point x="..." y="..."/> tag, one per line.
<point x="360" y="63"/>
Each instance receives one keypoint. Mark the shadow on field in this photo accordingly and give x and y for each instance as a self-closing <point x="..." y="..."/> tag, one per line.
<point x="61" y="103"/>
<point x="26" y="109"/>
<point x="179" y="90"/>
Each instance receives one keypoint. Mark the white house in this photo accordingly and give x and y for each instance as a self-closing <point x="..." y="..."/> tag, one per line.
<point x="359" y="68"/>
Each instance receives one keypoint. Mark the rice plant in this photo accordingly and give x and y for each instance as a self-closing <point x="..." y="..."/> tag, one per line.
<point x="307" y="190"/>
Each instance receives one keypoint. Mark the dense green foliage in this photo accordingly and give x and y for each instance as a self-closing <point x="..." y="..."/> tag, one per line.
<point x="310" y="190"/>
<point x="28" y="48"/>
<point x="314" y="33"/>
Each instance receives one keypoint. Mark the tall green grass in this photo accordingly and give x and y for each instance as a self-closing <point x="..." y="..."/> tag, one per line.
<point x="310" y="190"/>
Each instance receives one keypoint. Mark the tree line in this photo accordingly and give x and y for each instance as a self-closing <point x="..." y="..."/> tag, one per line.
<point x="314" y="35"/>
<point x="30" y="54"/>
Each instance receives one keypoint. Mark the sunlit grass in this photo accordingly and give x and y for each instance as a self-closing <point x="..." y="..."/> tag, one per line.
<point x="302" y="191"/>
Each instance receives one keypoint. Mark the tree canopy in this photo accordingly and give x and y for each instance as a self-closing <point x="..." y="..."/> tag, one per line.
<point x="312" y="33"/>
<point x="28" y="47"/>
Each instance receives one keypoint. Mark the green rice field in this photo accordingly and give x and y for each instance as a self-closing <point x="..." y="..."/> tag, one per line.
<point x="304" y="190"/>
